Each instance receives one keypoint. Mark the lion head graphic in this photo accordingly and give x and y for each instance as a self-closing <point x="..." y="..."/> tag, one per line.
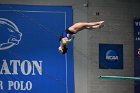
<point x="9" y="34"/>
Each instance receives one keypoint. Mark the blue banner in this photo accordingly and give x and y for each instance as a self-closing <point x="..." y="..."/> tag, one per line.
<point x="137" y="53"/>
<point x="111" y="56"/>
<point x="29" y="57"/>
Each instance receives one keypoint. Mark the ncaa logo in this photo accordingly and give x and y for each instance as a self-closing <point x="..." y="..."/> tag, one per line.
<point x="111" y="56"/>
<point x="9" y="34"/>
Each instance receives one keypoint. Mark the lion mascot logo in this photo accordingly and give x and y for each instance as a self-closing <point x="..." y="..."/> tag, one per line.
<point x="9" y="34"/>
